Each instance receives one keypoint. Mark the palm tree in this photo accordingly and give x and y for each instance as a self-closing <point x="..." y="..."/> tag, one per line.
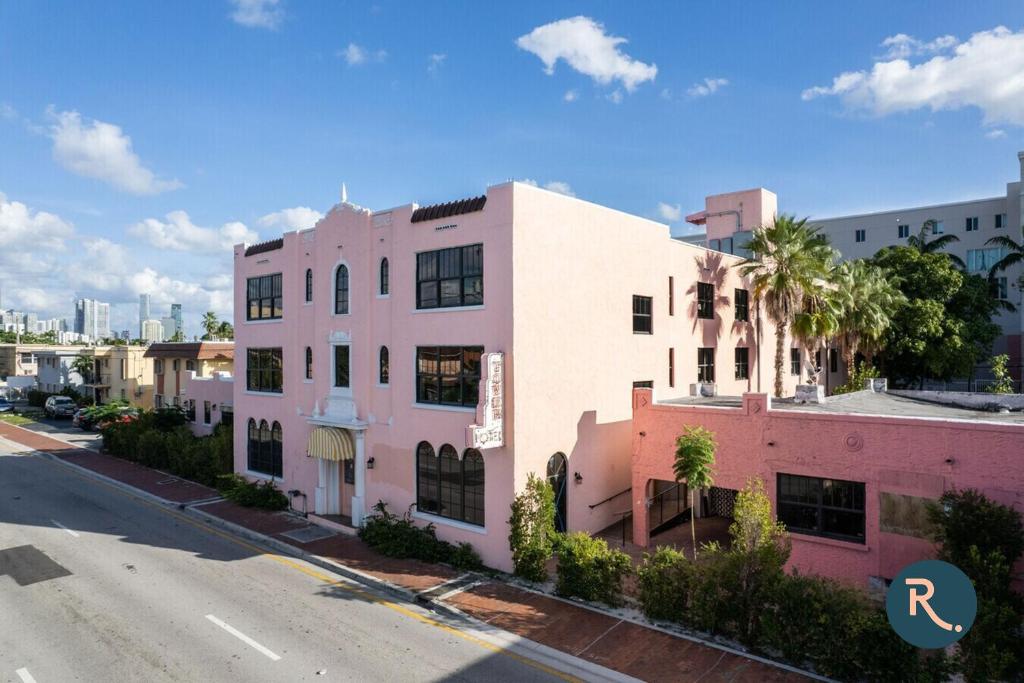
<point x="84" y="366"/>
<point x="921" y="242"/>
<point x="210" y="324"/>
<point x="790" y="259"/>
<point x="1014" y="255"/>
<point x="695" y="454"/>
<point x="816" y="322"/>
<point x="866" y="299"/>
<point x="225" y="330"/>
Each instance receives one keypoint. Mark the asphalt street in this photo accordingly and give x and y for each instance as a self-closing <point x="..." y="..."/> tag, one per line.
<point x="96" y="585"/>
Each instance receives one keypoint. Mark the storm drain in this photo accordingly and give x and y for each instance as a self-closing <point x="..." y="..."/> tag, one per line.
<point x="309" y="534"/>
<point x="26" y="564"/>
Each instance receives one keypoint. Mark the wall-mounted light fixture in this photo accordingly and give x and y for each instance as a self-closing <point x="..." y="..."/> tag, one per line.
<point x="578" y="477"/>
<point x="369" y="463"/>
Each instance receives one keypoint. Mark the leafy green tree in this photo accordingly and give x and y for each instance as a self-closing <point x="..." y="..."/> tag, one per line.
<point x="1003" y="383"/>
<point x="532" y="529"/>
<point x="790" y="262"/>
<point x="695" y="456"/>
<point x="944" y="325"/>
<point x="225" y="330"/>
<point x="923" y="245"/>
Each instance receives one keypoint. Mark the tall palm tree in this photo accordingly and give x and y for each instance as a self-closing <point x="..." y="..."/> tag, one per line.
<point x="225" y="330"/>
<point x="210" y="324"/>
<point x="924" y="245"/>
<point x="866" y="300"/>
<point x="815" y="322"/>
<point x="790" y="259"/>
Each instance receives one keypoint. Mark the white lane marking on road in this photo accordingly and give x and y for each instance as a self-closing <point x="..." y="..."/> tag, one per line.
<point x="73" y="533"/>
<point x="25" y="676"/>
<point x="242" y="637"/>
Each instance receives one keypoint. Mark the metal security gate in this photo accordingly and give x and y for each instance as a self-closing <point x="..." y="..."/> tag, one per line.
<point x="721" y="502"/>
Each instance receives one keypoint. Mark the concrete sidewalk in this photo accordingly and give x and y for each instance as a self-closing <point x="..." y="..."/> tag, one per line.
<point x="601" y="638"/>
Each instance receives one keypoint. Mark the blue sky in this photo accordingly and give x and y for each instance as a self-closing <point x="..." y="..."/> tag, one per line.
<point x="236" y="111"/>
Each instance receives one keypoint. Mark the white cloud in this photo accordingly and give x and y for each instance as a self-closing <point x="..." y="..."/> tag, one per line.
<point x="296" y="218"/>
<point x="102" y="151"/>
<point x="670" y="212"/>
<point x="901" y="46"/>
<point x="257" y="13"/>
<point x="983" y="72"/>
<point x="354" y="55"/>
<point x="34" y="231"/>
<point x="585" y="47"/>
<point x="615" y="96"/>
<point x="435" y="61"/>
<point x="558" y="186"/>
<point x="708" y="87"/>
<point x="8" y="112"/>
<point x="996" y="134"/>
<point x="179" y="233"/>
<point x="571" y="96"/>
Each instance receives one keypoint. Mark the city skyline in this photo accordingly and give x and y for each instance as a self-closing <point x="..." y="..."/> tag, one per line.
<point x="112" y="193"/>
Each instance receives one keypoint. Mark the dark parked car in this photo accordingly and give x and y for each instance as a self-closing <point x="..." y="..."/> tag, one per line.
<point x="59" y="406"/>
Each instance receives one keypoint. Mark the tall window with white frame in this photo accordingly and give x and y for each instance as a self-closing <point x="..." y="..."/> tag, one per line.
<point x="971" y="224"/>
<point x="742" y="362"/>
<point x="741" y="299"/>
<point x="705" y="300"/>
<point x="309" y="285"/>
<point x="384" y="370"/>
<point x="263" y="298"/>
<point x="902" y="231"/>
<point x="265" y="448"/>
<point x="706" y="365"/>
<point x="794" y="361"/>
<point x="643" y="315"/>
<point x="263" y="370"/>
<point x="341" y="290"/>
<point x="385" y="276"/>
<point x="342" y="367"/>
<point x="309" y="363"/>
<point x="860" y="235"/>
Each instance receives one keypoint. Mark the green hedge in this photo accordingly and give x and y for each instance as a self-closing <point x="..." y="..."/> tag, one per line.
<point x="589" y="569"/>
<point x="264" y="495"/>
<point x="396" y="536"/>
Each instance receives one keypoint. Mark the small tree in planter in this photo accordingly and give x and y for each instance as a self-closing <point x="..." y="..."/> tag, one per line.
<point x="532" y="529"/>
<point x="695" y="455"/>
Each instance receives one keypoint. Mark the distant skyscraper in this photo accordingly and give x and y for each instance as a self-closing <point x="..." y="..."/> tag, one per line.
<point x="168" y="324"/>
<point x="144" y="301"/>
<point x="176" y="314"/>
<point x="92" y="318"/>
<point x="152" y="331"/>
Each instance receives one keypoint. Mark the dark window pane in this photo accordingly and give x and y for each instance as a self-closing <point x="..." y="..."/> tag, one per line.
<point x="705" y="300"/>
<point x="450" y="277"/>
<point x="449" y="375"/>
<point x="473" y="487"/>
<point x="426" y="478"/>
<point x="451" y="483"/>
<point x="451" y="293"/>
<point x="826" y="507"/>
<point x="428" y="294"/>
<point x="341" y="366"/>
<point x="642" y="315"/>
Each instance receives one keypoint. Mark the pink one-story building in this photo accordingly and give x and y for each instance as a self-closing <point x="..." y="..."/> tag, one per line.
<point x="209" y="400"/>
<point x="850" y="478"/>
<point x="432" y="357"/>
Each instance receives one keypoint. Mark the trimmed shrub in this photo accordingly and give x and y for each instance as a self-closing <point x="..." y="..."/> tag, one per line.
<point x="532" y="529"/>
<point x="589" y="569"/>
<point x="264" y="495"/>
<point x="666" y="581"/>
<point x="396" y="536"/>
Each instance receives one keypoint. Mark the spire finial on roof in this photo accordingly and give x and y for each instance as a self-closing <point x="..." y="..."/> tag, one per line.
<point x="344" y="194"/>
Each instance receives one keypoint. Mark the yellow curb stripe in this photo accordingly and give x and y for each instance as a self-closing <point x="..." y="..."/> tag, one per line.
<point x="333" y="582"/>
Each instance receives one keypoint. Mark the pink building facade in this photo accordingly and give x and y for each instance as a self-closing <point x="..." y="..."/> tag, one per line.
<point x="433" y="357"/>
<point x="850" y="478"/>
<point x="209" y="400"/>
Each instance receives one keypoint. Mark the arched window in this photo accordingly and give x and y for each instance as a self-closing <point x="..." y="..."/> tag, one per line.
<point x="309" y="284"/>
<point x="276" y="450"/>
<point x="449" y="486"/>
<point x="265" y="448"/>
<point x="557" y="479"/>
<point x="473" y="486"/>
<point x="254" y="445"/>
<point x="385" y="365"/>
<point x="384" y="275"/>
<point x="426" y="478"/>
<point x="341" y="290"/>
<point x="309" y="363"/>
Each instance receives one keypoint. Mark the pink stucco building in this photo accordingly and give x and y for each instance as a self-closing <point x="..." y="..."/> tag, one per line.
<point x="208" y="400"/>
<point x="849" y="478"/>
<point x="434" y="356"/>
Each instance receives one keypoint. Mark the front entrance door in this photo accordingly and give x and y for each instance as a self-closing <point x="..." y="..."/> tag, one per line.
<point x="557" y="478"/>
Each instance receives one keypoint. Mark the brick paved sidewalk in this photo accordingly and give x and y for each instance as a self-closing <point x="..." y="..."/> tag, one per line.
<point x="601" y="638"/>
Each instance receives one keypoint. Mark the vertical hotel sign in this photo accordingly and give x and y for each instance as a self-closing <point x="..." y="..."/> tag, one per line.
<point x="490" y="432"/>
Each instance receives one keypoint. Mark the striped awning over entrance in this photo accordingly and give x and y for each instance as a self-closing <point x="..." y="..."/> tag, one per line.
<point x="330" y="443"/>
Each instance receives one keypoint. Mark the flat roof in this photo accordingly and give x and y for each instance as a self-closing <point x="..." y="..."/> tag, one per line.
<point x="866" y="403"/>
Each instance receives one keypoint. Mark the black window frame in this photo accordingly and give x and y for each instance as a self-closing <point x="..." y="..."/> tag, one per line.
<point x="342" y="291"/>
<point x="860" y="235"/>
<point x="741" y="302"/>
<point x="902" y="231"/>
<point x="309" y="362"/>
<point x="450" y="278"/>
<point x="823" y="497"/>
<point x="643" y="314"/>
<point x="384" y="278"/>
<point x="309" y="285"/>
<point x="971" y="224"/>
<point x="795" y="360"/>
<point x="1000" y="221"/>
<point x="705" y="300"/>
<point x="264" y="370"/>
<point x="448" y="486"/>
<point x="671" y="367"/>
<point x="706" y="369"/>
<point x="384" y="366"/>
<point x="742" y="358"/>
<point x="265" y="448"/>
<point x="342" y="370"/>
<point x="265" y="293"/>
<point x="434" y="375"/>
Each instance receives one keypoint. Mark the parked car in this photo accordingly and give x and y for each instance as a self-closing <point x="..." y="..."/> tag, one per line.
<point x="60" y="406"/>
<point x="5" y="406"/>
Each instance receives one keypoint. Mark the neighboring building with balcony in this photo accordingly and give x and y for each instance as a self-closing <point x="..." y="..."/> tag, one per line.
<point x="729" y="218"/>
<point x="435" y="356"/>
<point x="55" y="372"/>
<point x="22" y="360"/>
<point x="121" y="373"/>
<point x="850" y="478"/>
<point x="172" y="361"/>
